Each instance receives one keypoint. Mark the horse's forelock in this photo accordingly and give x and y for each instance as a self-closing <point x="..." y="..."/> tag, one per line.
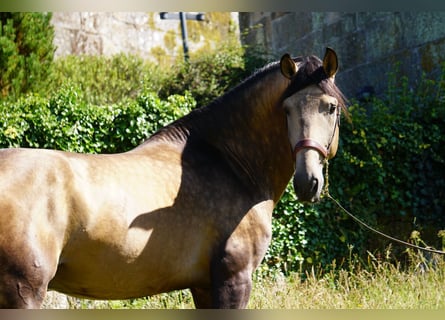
<point x="310" y="71"/>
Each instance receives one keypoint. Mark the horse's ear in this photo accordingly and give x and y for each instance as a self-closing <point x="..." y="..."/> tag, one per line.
<point x="330" y="63"/>
<point x="288" y="66"/>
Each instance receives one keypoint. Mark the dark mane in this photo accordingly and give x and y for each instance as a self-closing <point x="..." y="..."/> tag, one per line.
<point x="310" y="71"/>
<point x="260" y="73"/>
<point x="179" y="129"/>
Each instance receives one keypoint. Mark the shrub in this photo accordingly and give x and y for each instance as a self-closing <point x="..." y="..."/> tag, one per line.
<point x="66" y="122"/>
<point x="106" y="80"/>
<point x="210" y="75"/>
<point x="212" y="69"/>
<point x="26" y="52"/>
<point x="304" y="236"/>
<point x="390" y="169"/>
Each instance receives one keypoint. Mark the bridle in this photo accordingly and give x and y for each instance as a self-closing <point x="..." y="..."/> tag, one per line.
<point x="308" y="143"/>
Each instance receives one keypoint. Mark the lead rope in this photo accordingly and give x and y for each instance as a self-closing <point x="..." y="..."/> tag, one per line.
<point x="326" y="194"/>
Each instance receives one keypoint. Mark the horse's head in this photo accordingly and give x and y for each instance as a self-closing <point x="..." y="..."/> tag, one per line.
<point x="312" y="104"/>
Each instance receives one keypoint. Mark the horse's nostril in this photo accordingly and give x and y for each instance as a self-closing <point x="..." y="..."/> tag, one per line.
<point x="314" y="188"/>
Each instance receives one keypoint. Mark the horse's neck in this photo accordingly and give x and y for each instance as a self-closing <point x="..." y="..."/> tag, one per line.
<point x="250" y="129"/>
<point x="247" y="127"/>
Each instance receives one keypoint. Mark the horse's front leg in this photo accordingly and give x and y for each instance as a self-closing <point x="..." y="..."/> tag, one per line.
<point x="24" y="276"/>
<point x="232" y="293"/>
<point x="230" y="281"/>
<point x="225" y="293"/>
<point x="235" y="259"/>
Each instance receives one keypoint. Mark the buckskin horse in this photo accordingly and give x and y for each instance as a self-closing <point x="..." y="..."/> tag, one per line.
<point x="191" y="207"/>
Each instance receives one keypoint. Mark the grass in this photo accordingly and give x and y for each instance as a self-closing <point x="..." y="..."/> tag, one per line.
<point x="387" y="287"/>
<point x="375" y="284"/>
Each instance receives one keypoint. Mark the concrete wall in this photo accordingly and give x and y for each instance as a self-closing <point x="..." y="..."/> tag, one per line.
<point x="368" y="44"/>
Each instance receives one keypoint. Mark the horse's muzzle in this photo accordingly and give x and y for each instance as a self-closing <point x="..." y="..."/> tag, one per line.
<point x="308" y="189"/>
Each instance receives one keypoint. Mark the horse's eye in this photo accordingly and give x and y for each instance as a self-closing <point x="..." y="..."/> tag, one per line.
<point x="332" y="108"/>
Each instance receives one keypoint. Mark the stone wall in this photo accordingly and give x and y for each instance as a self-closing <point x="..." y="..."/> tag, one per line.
<point x="141" y="33"/>
<point x="369" y="44"/>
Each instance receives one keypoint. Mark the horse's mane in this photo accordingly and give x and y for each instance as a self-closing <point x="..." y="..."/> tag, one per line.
<point x="179" y="129"/>
<point x="310" y="72"/>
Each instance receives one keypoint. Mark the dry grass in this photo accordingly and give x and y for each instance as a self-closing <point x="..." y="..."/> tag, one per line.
<point x="387" y="287"/>
<point x="379" y="285"/>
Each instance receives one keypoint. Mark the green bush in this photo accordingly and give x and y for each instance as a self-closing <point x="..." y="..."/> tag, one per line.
<point x="390" y="169"/>
<point x="66" y="122"/>
<point x="306" y="235"/>
<point x="209" y="75"/>
<point x="26" y="52"/>
<point x="106" y="80"/>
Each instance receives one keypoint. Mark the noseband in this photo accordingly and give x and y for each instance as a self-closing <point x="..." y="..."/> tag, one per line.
<point x="308" y="143"/>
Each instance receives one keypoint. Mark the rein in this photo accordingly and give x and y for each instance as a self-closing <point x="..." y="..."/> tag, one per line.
<point x="326" y="193"/>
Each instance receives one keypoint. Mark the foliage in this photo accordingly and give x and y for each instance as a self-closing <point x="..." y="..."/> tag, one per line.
<point x="304" y="235"/>
<point x="66" y="122"/>
<point x="26" y="52"/>
<point x="209" y="75"/>
<point x="396" y="143"/>
<point x="307" y="235"/>
<point x="107" y="80"/>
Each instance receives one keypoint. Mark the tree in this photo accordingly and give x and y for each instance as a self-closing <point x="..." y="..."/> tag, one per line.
<point x="26" y="52"/>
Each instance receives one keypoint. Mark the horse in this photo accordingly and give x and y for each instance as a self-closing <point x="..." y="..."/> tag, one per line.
<point x="189" y="208"/>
